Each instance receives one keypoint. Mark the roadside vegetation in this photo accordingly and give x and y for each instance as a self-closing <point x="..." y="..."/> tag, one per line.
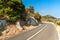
<point x="31" y="12"/>
<point x="49" y="18"/>
<point x="13" y="11"/>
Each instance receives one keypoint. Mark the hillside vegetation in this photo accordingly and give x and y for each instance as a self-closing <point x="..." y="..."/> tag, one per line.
<point x="49" y="18"/>
<point x="13" y="11"/>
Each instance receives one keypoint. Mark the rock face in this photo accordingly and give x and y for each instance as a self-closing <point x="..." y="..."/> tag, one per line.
<point x="3" y="23"/>
<point x="18" y="25"/>
<point x="10" y="31"/>
<point x="32" y="21"/>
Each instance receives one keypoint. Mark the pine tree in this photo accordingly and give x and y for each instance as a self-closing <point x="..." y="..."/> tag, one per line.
<point x="12" y="10"/>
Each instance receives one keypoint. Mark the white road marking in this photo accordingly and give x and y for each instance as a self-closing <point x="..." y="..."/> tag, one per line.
<point x="37" y="33"/>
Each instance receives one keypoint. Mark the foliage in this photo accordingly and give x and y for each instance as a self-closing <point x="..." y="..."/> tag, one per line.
<point x="49" y="16"/>
<point x="37" y="16"/>
<point x="58" y="23"/>
<point x="31" y="8"/>
<point x="12" y="10"/>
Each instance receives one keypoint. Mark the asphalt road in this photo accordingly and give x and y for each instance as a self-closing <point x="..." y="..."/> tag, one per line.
<point x="46" y="31"/>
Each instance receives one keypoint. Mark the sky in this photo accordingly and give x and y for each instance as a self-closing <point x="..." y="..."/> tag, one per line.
<point x="44" y="7"/>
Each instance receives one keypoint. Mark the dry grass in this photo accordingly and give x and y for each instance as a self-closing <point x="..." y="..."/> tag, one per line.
<point x="29" y="27"/>
<point x="13" y="30"/>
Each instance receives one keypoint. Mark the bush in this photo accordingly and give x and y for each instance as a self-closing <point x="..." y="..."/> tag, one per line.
<point x="58" y="23"/>
<point x="12" y="10"/>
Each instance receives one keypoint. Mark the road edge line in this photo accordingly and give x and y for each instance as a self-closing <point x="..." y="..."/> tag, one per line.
<point x="36" y="33"/>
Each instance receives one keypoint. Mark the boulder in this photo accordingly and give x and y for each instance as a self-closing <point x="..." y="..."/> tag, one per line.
<point x="32" y="21"/>
<point x="18" y="25"/>
<point x="3" y="23"/>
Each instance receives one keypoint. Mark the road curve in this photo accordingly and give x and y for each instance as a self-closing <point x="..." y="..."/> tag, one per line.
<point x="46" y="31"/>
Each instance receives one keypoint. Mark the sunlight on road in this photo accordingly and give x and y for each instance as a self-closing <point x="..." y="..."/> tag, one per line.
<point x="58" y="30"/>
<point x="59" y="36"/>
